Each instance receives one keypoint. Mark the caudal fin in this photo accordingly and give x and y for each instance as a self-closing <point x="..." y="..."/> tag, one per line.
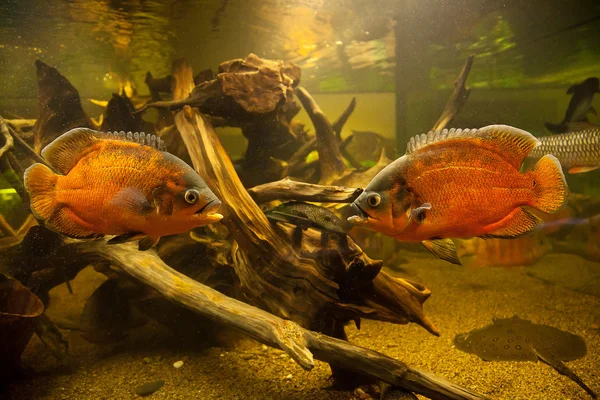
<point x="39" y="182"/>
<point x="551" y="191"/>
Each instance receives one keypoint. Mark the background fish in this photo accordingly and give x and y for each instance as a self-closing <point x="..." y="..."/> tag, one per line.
<point x="117" y="184"/>
<point x="576" y="151"/>
<point x="107" y="315"/>
<point x="526" y="250"/>
<point x="583" y="240"/>
<point x="515" y="339"/>
<point x="307" y="215"/>
<point x="461" y="183"/>
<point x="579" y="106"/>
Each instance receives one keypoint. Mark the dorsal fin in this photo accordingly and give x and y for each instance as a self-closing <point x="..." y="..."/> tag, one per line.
<point x="66" y="150"/>
<point x="512" y="143"/>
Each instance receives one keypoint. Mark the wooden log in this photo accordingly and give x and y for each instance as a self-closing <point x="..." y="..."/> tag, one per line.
<point x="7" y="142"/>
<point x="287" y="189"/>
<point x="458" y="97"/>
<point x="330" y="158"/>
<point x="299" y="343"/>
<point x="120" y="116"/>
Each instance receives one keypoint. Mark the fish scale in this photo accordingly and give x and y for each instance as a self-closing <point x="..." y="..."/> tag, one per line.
<point x="577" y="151"/>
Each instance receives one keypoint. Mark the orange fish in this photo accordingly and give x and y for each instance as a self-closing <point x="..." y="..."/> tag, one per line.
<point x="461" y="183"/>
<point x="117" y="184"/>
<point x="526" y="250"/>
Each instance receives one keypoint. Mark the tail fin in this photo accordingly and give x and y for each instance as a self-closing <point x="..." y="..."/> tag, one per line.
<point x="551" y="191"/>
<point x="39" y="182"/>
<point x="556" y="128"/>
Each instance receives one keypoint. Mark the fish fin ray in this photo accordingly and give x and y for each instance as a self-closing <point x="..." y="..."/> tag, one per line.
<point x="127" y="237"/>
<point x="579" y="170"/>
<point x="419" y="213"/>
<point x="39" y="181"/>
<point x="516" y="144"/>
<point x="66" y="222"/>
<point x="551" y="191"/>
<point x="148" y="242"/>
<point x="66" y="150"/>
<point x="442" y="248"/>
<point x="133" y="200"/>
<point x="518" y="223"/>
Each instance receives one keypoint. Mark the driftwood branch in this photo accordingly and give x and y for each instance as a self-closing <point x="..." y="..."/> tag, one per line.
<point x="458" y="97"/>
<point x="330" y="157"/>
<point x="341" y="121"/>
<point x="267" y="328"/>
<point x="287" y="189"/>
<point x="152" y="271"/>
<point x="8" y="139"/>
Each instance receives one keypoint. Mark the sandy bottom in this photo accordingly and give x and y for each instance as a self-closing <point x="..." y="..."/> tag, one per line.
<point x="561" y="290"/>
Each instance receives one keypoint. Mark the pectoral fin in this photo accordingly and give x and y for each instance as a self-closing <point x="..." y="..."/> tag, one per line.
<point x="560" y="367"/>
<point x="148" y="242"/>
<point x="133" y="200"/>
<point x="418" y="214"/>
<point x="593" y="111"/>
<point x="442" y="248"/>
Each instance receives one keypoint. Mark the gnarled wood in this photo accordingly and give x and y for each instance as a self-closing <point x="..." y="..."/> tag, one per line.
<point x="301" y="344"/>
<point x="287" y="189"/>
<point x="330" y="158"/>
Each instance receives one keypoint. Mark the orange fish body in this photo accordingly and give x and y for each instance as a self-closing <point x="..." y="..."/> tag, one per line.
<point x="462" y="183"/>
<point x="518" y="252"/>
<point x="112" y="184"/>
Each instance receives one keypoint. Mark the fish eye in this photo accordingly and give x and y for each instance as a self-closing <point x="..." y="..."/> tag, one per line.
<point x="192" y="196"/>
<point x="374" y="200"/>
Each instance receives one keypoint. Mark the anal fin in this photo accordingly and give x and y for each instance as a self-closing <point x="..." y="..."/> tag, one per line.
<point x="66" y="222"/>
<point x="515" y="224"/>
<point x="128" y="237"/>
<point x="560" y="367"/>
<point x="148" y="242"/>
<point x="442" y="248"/>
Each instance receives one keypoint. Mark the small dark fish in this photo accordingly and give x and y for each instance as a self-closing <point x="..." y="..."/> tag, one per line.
<point x="577" y="151"/>
<point x="579" y="106"/>
<point x="305" y="215"/>
<point x="515" y="339"/>
<point x="106" y="316"/>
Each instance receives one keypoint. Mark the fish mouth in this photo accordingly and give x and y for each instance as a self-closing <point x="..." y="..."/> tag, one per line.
<point x="361" y="216"/>
<point x="210" y="208"/>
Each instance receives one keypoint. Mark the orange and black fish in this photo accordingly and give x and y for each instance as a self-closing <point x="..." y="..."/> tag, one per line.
<point x="117" y="184"/>
<point x="577" y="151"/>
<point x="461" y="183"/>
<point x="518" y="252"/>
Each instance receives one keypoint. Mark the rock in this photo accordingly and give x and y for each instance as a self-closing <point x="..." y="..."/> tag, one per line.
<point x="148" y="388"/>
<point x="178" y="364"/>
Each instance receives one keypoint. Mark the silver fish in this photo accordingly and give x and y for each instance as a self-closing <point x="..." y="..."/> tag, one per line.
<point x="577" y="151"/>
